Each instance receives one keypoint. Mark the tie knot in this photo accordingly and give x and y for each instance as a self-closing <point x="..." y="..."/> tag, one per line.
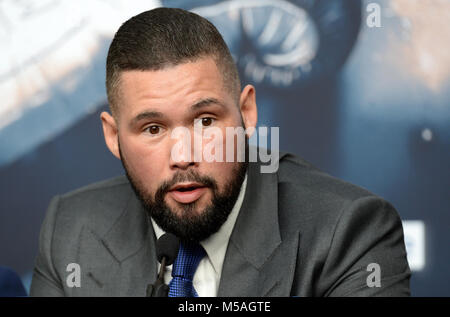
<point x="189" y="256"/>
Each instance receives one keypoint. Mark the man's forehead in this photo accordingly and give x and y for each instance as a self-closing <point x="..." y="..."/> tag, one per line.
<point x="192" y="70"/>
<point x="183" y="84"/>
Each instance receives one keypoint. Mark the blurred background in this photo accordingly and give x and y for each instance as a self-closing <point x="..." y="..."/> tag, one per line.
<point x="359" y="88"/>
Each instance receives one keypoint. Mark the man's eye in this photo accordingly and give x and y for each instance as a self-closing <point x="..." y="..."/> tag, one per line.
<point x="207" y="121"/>
<point x="153" y="129"/>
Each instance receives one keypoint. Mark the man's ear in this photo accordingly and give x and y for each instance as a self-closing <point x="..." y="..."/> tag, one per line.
<point x="110" y="133"/>
<point x="248" y="108"/>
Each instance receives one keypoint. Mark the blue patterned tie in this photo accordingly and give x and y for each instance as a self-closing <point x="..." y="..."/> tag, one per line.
<point x="189" y="256"/>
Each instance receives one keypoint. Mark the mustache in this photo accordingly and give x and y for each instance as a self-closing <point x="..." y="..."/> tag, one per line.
<point x="189" y="176"/>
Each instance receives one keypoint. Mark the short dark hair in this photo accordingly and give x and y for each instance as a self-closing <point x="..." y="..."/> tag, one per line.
<point x="162" y="37"/>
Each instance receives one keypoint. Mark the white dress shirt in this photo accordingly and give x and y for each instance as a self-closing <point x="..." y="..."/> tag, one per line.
<point x="207" y="277"/>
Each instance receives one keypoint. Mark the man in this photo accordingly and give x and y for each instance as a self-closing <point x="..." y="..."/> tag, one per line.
<point x="293" y="232"/>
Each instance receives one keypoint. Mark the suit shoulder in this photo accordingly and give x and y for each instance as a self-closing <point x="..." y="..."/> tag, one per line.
<point x="311" y="198"/>
<point x="104" y="185"/>
<point x="96" y="205"/>
<point x="298" y="173"/>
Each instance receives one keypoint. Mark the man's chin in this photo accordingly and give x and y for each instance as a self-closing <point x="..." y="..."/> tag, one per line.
<point x="193" y="209"/>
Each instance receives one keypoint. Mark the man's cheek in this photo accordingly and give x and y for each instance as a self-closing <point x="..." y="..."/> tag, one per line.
<point x="222" y="173"/>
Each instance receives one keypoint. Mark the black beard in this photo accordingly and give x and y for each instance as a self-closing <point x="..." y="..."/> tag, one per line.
<point x="192" y="225"/>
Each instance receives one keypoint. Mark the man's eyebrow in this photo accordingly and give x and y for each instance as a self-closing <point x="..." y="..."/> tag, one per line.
<point x="149" y="114"/>
<point x="206" y="102"/>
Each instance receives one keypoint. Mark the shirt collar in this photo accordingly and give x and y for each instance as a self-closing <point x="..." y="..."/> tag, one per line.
<point x="216" y="244"/>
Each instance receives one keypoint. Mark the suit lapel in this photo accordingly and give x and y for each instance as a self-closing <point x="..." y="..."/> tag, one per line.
<point x="258" y="261"/>
<point x="123" y="261"/>
<point x="129" y="232"/>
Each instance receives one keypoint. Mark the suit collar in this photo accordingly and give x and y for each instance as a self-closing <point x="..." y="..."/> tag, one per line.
<point x="256" y="233"/>
<point x="255" y="239"/>
<point x="217" y="243"/>
<point x="260" y="261"/>
<point x="130" y="230"/>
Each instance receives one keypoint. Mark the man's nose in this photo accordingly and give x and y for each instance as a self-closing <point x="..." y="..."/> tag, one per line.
<point x="182" y="165"/>
<point x="182" y="150"/>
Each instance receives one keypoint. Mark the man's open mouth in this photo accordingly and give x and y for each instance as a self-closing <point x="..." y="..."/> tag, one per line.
<point x="186" y="189"/>
<point x="186" y="193"/>
<point x="183" y="187"/>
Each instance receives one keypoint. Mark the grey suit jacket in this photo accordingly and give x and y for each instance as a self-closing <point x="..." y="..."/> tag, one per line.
<point x="300" y="232"/>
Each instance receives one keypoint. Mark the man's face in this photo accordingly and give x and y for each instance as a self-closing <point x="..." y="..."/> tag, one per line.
<point x="192" y="198"/>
